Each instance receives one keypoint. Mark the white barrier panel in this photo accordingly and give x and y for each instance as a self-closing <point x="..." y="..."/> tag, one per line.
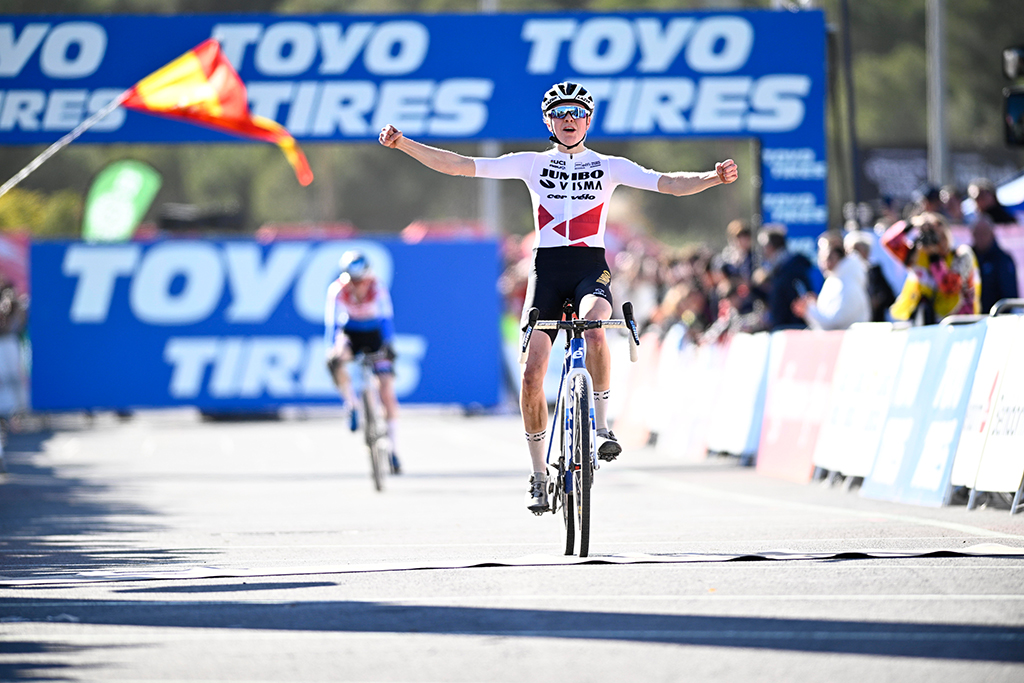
<point x="692" y="390"/>
<point x="740" y="405"/>
<point x="866" y="369"/>
<point x="677" y="354"/>
<point x="800" y="368"/>
<point x="1004" y="332"/>
<point x="1002" y="460"/>
<point x="637" y="392"/>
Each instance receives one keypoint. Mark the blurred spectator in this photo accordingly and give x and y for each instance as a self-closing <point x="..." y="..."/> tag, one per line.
<point x="983" y="192"/>
<point x="998" y="271"/>
<point x="861" y="244"/>
<point x="951" y="205"/>
<point x="927" y="199"/>
<point x="737" y="312"/>
<point x="13" y="308"/>
<point x="636" y="280"/>
<point x="843" y="299"/>
<point x="683" y="304"/>
<point x="888" y="212"/>
<point x="941" y="281"/>
<point x="739" y="253"/>
<point x="782" y="278"/>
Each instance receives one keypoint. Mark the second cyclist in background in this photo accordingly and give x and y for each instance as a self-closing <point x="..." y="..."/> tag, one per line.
<point x="358" y="319"/>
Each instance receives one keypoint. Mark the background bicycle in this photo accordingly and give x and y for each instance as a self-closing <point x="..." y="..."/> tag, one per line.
<point x="375" y="427"/>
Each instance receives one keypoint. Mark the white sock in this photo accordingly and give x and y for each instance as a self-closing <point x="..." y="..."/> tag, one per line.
<point x="537" y="450"/>
<point x="601" y="409"/>
<point x="393" y="434"/>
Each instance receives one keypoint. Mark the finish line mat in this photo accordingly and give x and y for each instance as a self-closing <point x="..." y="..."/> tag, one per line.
<point x="160" y="573"/>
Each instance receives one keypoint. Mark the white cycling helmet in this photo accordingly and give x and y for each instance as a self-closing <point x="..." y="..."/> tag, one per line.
<point x="355" y="264"/>
<point x="567" y="93"/>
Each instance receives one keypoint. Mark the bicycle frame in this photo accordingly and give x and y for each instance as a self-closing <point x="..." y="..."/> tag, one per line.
<point x="573" y="364"/>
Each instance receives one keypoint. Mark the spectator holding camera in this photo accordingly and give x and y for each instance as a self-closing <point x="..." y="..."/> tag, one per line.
<point x="941" y="281"/>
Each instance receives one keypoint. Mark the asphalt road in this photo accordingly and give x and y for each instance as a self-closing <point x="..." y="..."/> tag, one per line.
<point x="165" y="548"/>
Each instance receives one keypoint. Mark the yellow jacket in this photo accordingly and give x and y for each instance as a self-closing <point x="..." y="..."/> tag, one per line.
<point x="953" y="285"/>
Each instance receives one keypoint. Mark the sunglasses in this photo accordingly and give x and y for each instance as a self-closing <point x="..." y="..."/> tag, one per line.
<point x="568" y="110"/>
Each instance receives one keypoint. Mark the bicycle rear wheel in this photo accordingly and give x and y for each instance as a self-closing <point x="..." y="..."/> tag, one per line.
<point x="582" y="464"/>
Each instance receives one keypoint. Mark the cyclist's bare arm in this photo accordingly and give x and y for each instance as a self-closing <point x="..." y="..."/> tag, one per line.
<point x="684" y="182"/>
<point x="438" y="159"/>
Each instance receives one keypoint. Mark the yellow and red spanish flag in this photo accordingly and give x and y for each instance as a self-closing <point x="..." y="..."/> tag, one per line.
<point x="202" y="87"/>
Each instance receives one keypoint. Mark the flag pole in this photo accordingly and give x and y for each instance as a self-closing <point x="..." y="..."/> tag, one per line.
<point x="63" y="142"/>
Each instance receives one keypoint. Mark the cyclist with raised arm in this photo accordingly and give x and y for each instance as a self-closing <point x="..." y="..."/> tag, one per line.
<point x="359" y="319"/>
<point x="570" y="186"/>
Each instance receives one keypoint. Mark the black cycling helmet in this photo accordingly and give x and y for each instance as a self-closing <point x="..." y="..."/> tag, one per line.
<point x="567" y="92"/>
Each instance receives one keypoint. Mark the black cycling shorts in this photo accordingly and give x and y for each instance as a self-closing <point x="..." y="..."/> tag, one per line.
<point x="565" y="273"/>
<point x="370" y="341"/>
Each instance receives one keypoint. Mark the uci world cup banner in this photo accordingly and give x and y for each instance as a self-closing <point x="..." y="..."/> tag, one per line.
<point x="341" y="77"/>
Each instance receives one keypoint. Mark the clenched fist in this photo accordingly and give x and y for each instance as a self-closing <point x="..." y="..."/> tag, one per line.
<point x="389" y="136"/>
<point x="727" y="170"/>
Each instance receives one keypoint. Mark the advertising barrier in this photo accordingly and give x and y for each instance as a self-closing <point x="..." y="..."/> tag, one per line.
<point x="865" y="372"/>
<point x="238" y="325"/>
<point x="341" y="77"/>
<point x="633" y="417"/>
<point x="800" y="367"/>
<point x="736" y="419"/>
<point x="689" y="387"/>
<point x="1002" y="461"/>
<point x="912" y="411"/>
<point x="915" y="453"/>
<point x="1001" y="337"/>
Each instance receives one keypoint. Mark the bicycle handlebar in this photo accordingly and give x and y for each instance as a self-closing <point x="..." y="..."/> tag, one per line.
<point x="580" y="325"/>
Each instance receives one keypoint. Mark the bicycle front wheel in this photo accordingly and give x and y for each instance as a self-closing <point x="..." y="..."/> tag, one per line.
<point x="568" y="509"/>
<point x="374" y="442"/>
<point x="582" y="464"/>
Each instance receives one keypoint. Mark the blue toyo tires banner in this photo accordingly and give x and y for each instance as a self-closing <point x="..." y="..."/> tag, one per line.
<point x="238" y="325"/>
<point x="341" y="77"/>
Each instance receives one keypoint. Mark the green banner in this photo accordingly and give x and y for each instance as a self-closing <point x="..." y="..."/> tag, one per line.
<point x="117" y="201"/>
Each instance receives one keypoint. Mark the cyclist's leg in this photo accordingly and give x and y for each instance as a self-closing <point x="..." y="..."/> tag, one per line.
<point x="532" y="401"/>
<point x="390" y="401"/>
<point x="599" y="360"/>
<point x="337" y="361"/>
<point x="599" y="365"/>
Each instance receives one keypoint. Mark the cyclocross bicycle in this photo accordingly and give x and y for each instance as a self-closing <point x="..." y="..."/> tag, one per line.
<point x="375" y="426"/>
<point x="574" y="413"/>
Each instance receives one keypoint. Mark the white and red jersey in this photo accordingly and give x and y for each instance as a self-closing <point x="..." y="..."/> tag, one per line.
<point x="570" y="192"/>
<point x="346" y="313"/>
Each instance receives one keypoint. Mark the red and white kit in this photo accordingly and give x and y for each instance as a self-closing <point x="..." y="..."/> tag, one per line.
<point x="570" y="192"/>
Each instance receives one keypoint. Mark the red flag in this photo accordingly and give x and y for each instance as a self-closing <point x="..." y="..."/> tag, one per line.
<point x="202" y="87"/>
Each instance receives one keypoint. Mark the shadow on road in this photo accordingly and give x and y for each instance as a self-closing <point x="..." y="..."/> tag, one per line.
<point x="884" y="639"/>
<point x="49" y="522"/>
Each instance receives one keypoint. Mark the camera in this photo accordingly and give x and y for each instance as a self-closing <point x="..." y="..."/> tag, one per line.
<point x="927" y="238"/>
